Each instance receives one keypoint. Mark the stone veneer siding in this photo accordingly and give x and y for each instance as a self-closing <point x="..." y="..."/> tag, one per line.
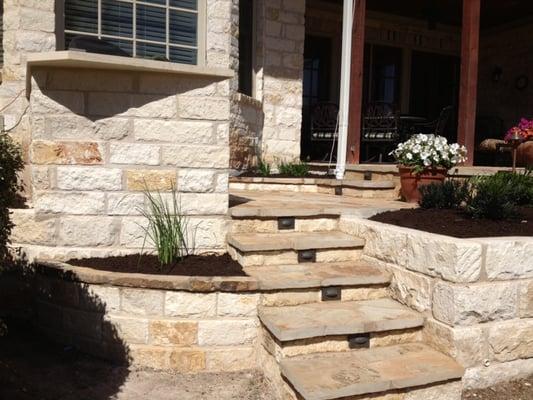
<point x="92" y="137"/>
<point x="477" y="294"/>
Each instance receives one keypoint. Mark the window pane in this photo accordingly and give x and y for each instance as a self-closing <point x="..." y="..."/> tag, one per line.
<point x="81" y="15"/>
<point x="151" y="22"/>
<point x="162" y="2"/>
<point x="190" y="4"/>
<point x="125" y="45"/>
<point x="182" y="26"/>
<point x="117" y="18"/>
<point x="152" y="51"/>
<point x="184" y="56"/>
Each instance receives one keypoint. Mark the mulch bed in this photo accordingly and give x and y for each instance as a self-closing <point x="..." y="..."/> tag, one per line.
<point x="196" y="265"/>
<point x="254" y="174"/>
<point x="454" y="223"/>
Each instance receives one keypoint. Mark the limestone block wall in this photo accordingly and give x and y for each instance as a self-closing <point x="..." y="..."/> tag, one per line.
<point x="95" y="138"/>
<point x="148" y="326"/>
<point x="245" y="132"/>
<point x="477" y="294"/>
<point x="283" y="42"/>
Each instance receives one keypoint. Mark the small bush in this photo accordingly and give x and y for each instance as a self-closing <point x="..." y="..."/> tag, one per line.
<point x="490" y="198"/>
<point x="498" y="196"/>
<point x="297" y="169"/>
<point x="11" y="164"/>
<point x="263" y="168"/>
<point x="449" y="194"/>
<point x="167" y="227"/>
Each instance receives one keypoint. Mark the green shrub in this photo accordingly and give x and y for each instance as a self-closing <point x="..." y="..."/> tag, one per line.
<point x="297" y="169"/>
<point x="11" y="164"/>
<point x="498" y="196"/>
<point x="449" y="194"/>
<point x="263" y="168"/>
<point x="167" y="227"/>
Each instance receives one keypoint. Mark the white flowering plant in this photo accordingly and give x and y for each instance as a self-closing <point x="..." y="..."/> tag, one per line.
<point x="423" y="152"/>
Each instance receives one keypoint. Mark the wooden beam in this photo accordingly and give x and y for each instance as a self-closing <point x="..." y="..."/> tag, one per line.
<point x="356" y="87"/>
<point x="469" y="74"/>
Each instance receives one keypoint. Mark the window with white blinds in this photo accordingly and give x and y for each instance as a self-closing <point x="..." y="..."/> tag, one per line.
<point x="155" y="29"/>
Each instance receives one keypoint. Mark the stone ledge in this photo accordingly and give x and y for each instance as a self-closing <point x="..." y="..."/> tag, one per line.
<point x="327" y="182"/>
<point x="79" y="59"/>
<point x="145" y="281"/>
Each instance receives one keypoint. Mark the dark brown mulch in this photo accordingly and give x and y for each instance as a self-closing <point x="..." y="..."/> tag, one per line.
<point x="254" y="174"/>
<point x="454" y="223"/>
<point x="517" y="390"/>
<point x="197" y="265"/>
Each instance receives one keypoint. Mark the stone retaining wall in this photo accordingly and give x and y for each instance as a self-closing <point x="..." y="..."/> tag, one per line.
<point x="477" y="294"/>
<point x="149" y="321"/>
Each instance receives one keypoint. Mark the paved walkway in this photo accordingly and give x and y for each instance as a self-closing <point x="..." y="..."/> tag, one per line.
<point x="249" y="203"/>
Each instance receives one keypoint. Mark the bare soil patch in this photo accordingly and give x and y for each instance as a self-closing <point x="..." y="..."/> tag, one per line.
<point x="455" y="223"/>
<point x="196" y="265"/>
<point x="33" y="368"/>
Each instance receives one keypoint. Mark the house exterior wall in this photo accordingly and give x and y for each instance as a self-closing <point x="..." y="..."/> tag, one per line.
<point x="93" y="138"/>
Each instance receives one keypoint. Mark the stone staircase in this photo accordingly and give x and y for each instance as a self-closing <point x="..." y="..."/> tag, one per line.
<point x="329" y="328"/>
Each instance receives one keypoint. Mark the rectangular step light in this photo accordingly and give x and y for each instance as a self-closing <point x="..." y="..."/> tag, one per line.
<point x="359" y="341"/>
<point x="307" y="256"/>
<point x="286" y="223"/>
<point x="338" y="191"/>
<point x="331" y="293"/>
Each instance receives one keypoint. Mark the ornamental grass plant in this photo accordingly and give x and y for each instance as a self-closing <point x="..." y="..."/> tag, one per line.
<point x="167" y="227"/>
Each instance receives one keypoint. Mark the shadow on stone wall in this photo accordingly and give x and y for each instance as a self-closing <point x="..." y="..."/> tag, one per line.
<point x="59" y="344"/>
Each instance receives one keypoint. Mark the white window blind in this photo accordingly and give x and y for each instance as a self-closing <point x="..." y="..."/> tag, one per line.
<point x="160" y="29"/>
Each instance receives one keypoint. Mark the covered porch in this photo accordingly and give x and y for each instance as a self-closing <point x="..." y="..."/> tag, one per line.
<point x="456" y="68"/>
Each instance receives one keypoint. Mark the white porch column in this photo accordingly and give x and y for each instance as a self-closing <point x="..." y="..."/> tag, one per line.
<point x="344" y="102"/>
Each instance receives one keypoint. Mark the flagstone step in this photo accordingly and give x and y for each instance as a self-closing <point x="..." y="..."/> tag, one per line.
<point x="317" y="275"/>
<point x="337" y="375"/>
<point x="338" y="318"/>
<point x="247" y="242"/>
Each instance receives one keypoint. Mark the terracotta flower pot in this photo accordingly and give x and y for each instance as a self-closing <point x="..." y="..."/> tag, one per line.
<point x="411" y="182"/>
<point x="524" y="154"/>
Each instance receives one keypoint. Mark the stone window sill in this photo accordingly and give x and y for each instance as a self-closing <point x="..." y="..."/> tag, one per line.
<point x="79" y="59"/>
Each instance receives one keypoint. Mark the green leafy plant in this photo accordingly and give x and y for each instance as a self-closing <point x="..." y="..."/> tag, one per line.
<point x="11" y="164"/>
<point x="498" y="196"/>
<point x="297" y="169"/>
<point x="449" y="194"/>
<point x="263" y="168"/>
<point x="167" y="227"/>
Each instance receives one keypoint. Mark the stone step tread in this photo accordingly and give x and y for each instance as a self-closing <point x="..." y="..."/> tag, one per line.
<point x="338" y="318"/>
<point x="315" y="275"/>
<point x="338" y="375"/>
<point x="293" y="241"/>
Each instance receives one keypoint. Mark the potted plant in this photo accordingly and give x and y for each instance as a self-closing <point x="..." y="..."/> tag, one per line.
<point x="424" y="159"/>
<point x="524" y="151"/>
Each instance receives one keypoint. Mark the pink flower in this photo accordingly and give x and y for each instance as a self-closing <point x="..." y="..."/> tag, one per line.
<point x="524" y="129"/>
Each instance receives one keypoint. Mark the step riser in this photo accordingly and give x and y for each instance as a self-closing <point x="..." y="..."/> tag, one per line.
<point x="334" y="344"/>
<point x="290" y="257"/>
<point x="314" y="295"/>
<point x="313" y="224"/>
<point x="371" y="194"/>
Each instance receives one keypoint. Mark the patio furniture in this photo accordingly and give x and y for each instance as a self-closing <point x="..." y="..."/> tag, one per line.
<point x="435" y="127"/>
<point x="489" y="133"/>
<point x="381" y="129"/>
<point x="406" y="123"/>
<point x="324" y="121"/>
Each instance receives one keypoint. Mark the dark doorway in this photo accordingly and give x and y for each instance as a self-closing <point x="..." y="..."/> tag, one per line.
<point x="435" y="85"/>
<point x="316" y="89"/>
